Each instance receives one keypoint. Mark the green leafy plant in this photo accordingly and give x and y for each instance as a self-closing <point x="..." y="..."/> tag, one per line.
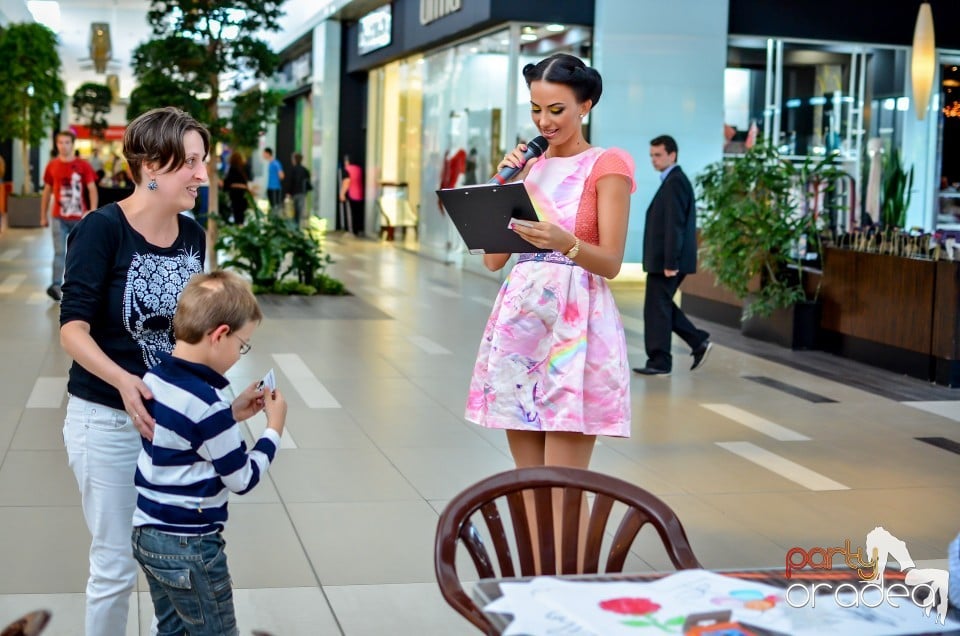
<point x="897" y="183"/>
<point x="202" y="55"/>
<point x="90" y="103"/>
<point x="32" y="89"/>
<point x="758" y="218"/>
<point x="277" y="255"/>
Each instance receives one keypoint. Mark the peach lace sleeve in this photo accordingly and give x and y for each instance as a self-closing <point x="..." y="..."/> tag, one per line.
<point x="611" y="161"/>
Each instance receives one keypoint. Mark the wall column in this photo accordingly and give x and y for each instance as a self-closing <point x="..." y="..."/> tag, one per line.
<point x="662" y="65"/>
<point x="326" y="104"/>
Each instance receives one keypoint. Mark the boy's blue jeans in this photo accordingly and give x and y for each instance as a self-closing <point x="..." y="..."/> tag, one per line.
<point x="189" y="582"/>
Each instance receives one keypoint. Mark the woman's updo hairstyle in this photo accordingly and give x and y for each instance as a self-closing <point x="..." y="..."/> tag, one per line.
<point x="561" y="68"/>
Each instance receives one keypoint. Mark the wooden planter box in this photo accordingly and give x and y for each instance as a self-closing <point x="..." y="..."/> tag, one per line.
<point x="901" y="314"/>
<point x="23" y="211"/>
<point x="945" y="337"/>
<point x="700" y="296"/>
<point x="879" y="309"/>
<point x="796" y="327"/>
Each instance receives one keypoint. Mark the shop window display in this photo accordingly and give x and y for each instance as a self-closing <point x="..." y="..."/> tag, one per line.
<point x="464" y="97"/>
<point x="444" y="119"/>
<point x="814" y="99"/>
<point x="948" y="195"/>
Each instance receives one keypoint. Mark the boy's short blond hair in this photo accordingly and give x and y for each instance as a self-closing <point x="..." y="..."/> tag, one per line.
<point x="214" y="299"/>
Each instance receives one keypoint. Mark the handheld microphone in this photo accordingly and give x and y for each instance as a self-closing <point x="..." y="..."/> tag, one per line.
<point x="535" y="147"/>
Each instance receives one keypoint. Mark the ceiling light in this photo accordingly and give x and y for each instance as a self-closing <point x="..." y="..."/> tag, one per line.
<point x="528" y="29"/>
<point x="529" y="37"/>
<point x="46" y="12"/>
<point x="923" y="59"/>
<point x="555" y="28"/>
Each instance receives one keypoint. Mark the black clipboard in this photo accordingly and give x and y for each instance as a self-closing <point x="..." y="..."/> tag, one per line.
<point x="482" y="214"/>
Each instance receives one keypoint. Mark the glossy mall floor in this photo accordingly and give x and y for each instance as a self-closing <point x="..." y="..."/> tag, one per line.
<point x="761" y="450"/>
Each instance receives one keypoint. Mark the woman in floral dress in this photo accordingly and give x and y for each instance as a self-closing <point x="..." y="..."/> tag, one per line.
<point x="552" y="368"/>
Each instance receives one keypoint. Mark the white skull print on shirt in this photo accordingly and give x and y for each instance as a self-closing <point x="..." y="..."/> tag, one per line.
<point x="71" y="196"/>
<point x="153" y="286"/>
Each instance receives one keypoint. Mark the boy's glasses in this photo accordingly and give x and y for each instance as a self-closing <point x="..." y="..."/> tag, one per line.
<point x="244" y="346"/>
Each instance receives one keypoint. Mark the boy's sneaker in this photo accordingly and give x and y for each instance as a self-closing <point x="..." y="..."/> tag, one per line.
<point x="53" y="291"/>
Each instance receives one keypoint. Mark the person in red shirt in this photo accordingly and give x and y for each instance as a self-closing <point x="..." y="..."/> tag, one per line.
<point x="65" y="177"/>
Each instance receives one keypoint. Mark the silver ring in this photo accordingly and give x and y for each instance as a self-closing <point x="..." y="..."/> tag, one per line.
<point x="136" y="416"/>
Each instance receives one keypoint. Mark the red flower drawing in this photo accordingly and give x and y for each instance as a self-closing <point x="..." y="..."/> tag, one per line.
<point x="642" y="610"/>
<point x="632" y="606"/>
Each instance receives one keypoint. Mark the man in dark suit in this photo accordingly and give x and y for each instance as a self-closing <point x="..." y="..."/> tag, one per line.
<point x="669" y="254"/>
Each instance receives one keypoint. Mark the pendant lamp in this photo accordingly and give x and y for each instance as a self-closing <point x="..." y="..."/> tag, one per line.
<point x="923" y="65"/>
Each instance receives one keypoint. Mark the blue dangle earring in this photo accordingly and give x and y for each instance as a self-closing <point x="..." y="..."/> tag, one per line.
<point x="152" y="185"/>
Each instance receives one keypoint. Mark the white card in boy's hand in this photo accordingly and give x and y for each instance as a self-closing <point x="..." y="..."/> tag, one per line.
<point x="269" y="381"/>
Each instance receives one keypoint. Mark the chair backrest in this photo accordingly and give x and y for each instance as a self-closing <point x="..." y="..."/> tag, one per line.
<point x="28" y="625"/>
<point x="490" y="497"/>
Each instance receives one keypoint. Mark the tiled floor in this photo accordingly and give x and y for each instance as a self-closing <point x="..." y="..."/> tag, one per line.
<point x="338" y="539"/>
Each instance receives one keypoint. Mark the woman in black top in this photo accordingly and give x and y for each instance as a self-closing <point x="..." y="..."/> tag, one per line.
<point x="235" y="183"/>
<point x="126" y="265"/>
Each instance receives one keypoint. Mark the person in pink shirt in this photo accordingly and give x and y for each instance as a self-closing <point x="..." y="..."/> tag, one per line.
<point x="351" y="191"/>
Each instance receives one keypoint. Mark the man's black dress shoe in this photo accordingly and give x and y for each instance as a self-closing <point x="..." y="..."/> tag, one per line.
<point x="650" y="371"/>
<point x="700" y="354"/>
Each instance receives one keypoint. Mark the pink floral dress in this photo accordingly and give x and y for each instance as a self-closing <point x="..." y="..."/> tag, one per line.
<point x="553" y="355"/>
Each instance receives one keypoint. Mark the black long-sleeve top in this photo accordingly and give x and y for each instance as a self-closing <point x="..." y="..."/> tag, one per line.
<point x="127" y="290"/>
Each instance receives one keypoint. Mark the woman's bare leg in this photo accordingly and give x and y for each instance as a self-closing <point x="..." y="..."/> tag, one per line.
<point x="535" y="448"/>
<point x="568" y="449"/>
<point x="527" y="447"/>
<point x="527" y="450"/>
<point x="573" y="450"/>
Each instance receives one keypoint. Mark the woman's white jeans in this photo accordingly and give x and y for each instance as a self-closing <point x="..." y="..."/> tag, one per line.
<point x="102" y="449"/>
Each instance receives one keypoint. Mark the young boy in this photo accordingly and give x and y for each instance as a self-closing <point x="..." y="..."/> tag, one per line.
<point x="198" y="456"/>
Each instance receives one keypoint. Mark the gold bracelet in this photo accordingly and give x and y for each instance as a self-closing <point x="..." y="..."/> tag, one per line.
<point x="573" y="251"/>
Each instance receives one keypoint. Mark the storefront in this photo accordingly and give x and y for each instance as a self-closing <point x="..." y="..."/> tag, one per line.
<point x="294" y="124"/>
<point x="444" y="100"/>
<point x="820" y="79"/>
<point x="842" y="83"/>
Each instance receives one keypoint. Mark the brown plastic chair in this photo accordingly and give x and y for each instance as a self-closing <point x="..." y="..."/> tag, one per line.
<point x="457" y="525"/>
<point x="28" y="625"/>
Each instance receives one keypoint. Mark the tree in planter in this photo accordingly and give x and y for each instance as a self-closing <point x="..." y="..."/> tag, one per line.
<point x="758" y="212"/>
<point x="32" y="90"/>
<point x="90" y="103"/>
<point x="196" y="44"/>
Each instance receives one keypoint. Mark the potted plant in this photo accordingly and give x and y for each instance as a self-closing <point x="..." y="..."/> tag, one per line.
<point x="897" y="184"/>
<point x="278" y="256"/>
<point x="32" y="89"/>
<point x="90" y="103"/>
<point x="759" y="225"/>
<point x="200" y="59"/>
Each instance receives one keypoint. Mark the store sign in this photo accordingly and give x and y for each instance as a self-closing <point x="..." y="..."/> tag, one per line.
<point x="375" y="30"/>
<point x="431" y="10"/>
<point x="300" y="68"/>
